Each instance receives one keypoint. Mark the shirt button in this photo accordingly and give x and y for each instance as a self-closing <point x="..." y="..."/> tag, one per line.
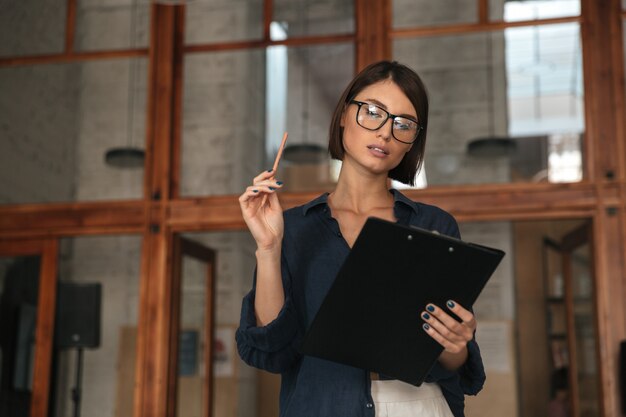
<point x="369" y="405"/>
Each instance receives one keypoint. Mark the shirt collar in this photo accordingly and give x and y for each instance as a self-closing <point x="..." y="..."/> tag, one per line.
<point x="398" y="198"/>
<point x="323" y="199"/>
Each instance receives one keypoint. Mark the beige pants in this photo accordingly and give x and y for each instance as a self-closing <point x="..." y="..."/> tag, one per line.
<point x="398" y="399"/>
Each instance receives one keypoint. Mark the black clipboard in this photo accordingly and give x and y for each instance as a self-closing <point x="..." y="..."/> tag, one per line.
<point x="370" y="318"/>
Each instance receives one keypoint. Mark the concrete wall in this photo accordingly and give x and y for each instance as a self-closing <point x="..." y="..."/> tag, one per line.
<point x="223" y="122"/>
<point x="465" y="77"/>
<point x="38" y="122"/>
<point x="113" y="261"/>
<point x="112" y="114"/>
<point x="32" y="27"/>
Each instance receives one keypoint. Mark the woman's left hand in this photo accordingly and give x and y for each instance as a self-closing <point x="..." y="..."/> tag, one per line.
<point x="449" y="333"/>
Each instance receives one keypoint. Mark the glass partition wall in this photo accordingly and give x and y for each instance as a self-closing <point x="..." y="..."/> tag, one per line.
<point x="197" y="97"/>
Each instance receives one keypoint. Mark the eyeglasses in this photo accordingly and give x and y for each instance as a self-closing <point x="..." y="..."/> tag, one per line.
<point x="372" y="117"/>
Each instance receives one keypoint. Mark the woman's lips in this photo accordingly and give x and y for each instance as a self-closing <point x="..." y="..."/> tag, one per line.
<point x="378" y="151"/>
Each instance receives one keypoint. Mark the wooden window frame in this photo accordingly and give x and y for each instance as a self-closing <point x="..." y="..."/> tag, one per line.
<point x="601" y="196"/>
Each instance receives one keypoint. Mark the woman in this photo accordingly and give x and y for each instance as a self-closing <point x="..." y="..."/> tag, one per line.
<point x="378" y="130"/>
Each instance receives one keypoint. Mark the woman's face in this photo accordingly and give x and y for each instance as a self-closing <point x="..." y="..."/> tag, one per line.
<point x="376" y="150"/>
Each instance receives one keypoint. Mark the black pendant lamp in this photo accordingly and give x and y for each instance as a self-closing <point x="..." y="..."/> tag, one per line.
<point x="128" y="156"/>
<point x="491" y="146"/>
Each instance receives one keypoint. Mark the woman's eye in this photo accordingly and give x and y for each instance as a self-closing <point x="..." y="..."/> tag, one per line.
<point x="401" y="126"/>
<point x="373" y="112"/>
<point x="404" y="124"/>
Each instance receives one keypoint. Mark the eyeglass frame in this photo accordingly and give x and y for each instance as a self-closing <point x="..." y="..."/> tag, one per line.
<point x="389" y="116"/>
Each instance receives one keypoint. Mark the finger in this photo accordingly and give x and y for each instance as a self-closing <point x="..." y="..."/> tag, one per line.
<point x="454" y="335"/>
<point x="273" y="201"/>
<point x="467" y="318"/>
<point x="263" y="176"/>
<point x="447" y="344"/>
<point x="256" y="190"/>
<point x="462" y="329"/>
<point x="250" y="193"/>
<point x="270" y="183"/>
<point x="461" y="312"/>
<point x="265" y="190"/>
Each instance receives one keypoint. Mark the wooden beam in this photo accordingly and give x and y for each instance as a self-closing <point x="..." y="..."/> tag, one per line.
<point x="605" y="154"/>
<point x="239" y="45"/>
<point x="609" y="288"/>
<point x="373" y="24"/>
<point x="155" y="327"/>
<point x="44" y="333"/>
<point x="175" y="157"/>
<point x="603" y="68"/>
<point x="268" y="11"/>
<point x="20" y="247"/>
<point x="70" y="26"/>
<point x="483" y="11"/>
<point x="72" y="57"/>
<point x="467" y="203"/>
<point x="470" y="202"/>
<point x="71" y="219"/>
<point x="172" y="311"/>
<point x="476" y="27"/>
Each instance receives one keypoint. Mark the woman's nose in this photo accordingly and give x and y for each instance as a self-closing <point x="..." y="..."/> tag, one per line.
<point x="385" y="130"/>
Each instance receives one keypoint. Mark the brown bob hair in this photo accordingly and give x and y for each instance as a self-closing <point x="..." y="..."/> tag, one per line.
<point x="413" y="87"/>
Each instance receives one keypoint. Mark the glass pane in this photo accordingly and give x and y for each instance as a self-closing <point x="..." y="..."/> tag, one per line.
<point x="32" y="27"/>
<point x="102" y="321"/>
<point x="238" y="104"/>
<point x="306" y="17"/>
<point x="212" y="21"/>
<point x="521" y="326"/>
<point x="112" y="24"/>
<point x="497" y="317"/>
<point x="19" y="289"/>
<point x="585" y="333"/>
<point x="192" y="370"/>
<point x="57" y="123"/>
<point x="236" y="386"/>
<point x="411" y="13"/>
<point x="514" y="11"/>
<point x="504" y="106"/>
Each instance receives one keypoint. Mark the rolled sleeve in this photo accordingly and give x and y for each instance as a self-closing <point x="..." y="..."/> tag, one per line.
<point x="472" y="373"/>
<point x="272" y="337"/>
<point x="271" y="347"/>
<point x="470" y="376"/>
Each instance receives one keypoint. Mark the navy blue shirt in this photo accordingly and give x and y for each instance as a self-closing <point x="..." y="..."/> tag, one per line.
<point x="313" y="251"/>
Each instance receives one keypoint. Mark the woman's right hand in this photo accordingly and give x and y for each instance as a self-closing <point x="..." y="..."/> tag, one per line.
<point x="262" y="211"/>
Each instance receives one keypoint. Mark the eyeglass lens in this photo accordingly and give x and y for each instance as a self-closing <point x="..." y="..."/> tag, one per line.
<point x="373" y="118"/>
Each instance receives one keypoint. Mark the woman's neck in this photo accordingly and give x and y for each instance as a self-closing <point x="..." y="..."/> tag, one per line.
<point x="360" y="193"/>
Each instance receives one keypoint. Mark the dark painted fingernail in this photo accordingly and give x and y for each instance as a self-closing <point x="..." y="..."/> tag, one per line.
<point x="430" y="308"/>
<point x="426" y="326"/>
<point x="426" y="316"/>
<point x="272" y="188"/>
<point x="279" y="182"/>
<point x="255" y="191"/>
<point x="269" y="170"/>
<point x="451" y="304"/>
